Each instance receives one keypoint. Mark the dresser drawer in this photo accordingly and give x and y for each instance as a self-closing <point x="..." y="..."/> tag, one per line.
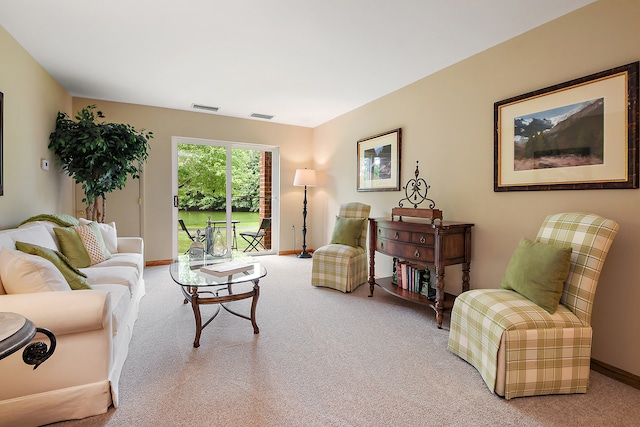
<point x="406" y="251"/>
<point x="423" y="238"/>
<point x="398" y="235"/>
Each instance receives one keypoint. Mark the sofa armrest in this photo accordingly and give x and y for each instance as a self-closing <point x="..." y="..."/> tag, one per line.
<point x="62" y="312"/>
<point x="130" y="245"/>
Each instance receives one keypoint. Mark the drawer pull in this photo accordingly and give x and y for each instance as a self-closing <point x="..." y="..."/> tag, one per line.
<point x="422" y="239"/>
<point x="416" y="254"/>
<point x="381" y="245"/>
<point x="397" y="236"/>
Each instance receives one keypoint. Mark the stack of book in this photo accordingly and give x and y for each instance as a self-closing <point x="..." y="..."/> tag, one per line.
<point x="227" y="268"/>
<point x="413" y="277"/>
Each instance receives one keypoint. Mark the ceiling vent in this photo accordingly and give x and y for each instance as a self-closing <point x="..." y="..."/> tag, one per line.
<point x="204" y="107"/>
<point x="261" y="116"/>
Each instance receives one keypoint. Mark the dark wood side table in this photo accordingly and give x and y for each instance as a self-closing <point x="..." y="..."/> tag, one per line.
<point x="436" y="243"/>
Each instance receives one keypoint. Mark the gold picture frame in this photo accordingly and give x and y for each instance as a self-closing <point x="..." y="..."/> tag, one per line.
<point x="578" y="135"/>
<point x="379" y="162"/>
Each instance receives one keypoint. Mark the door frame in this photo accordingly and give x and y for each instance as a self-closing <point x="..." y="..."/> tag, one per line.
<point x="229" y="145"/>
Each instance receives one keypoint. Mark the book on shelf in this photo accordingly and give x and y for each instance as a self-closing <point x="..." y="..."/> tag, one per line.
<point x="227" y="268"/>
<point x="405" y="276"/>
<point x="417" y="275"/>
<point x="415" y="278"/>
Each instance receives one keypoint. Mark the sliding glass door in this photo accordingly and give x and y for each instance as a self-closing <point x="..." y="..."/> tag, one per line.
<point x="225" y="193"/>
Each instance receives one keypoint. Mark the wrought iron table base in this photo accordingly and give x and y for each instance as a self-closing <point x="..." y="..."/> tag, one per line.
<point x="191" y="294"/>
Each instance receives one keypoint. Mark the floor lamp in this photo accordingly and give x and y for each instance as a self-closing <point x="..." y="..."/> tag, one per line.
<point x="304" y="178"/>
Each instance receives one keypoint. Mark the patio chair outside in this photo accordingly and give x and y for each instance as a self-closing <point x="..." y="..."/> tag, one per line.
<point x="255" y="238"/>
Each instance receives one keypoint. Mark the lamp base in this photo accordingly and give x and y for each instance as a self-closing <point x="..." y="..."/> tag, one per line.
<point x="304" y="254"/>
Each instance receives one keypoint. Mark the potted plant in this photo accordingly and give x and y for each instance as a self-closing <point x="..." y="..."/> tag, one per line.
<point x="98" y="155"/>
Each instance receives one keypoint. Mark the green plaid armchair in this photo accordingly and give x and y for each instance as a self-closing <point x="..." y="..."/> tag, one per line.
<point x="521" y="349"/>
<point x="343" y="267"/>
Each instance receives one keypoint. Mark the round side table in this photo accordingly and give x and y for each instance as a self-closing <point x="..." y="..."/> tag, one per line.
<point x="17" y="331"/>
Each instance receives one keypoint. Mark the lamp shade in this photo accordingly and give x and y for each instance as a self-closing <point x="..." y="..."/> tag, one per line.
<point x="305" y="178"/>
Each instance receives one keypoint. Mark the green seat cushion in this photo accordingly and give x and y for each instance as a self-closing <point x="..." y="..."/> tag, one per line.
<point x="347" y="231"/>
<point x="537" y="271"/>
<point x="74" y="277"/>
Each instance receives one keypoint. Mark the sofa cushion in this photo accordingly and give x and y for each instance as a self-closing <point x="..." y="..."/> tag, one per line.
<point x="82" y="244"/>
<point x="74" y="277"/>
<point x="124" y="259"/>
<point x="109" y="234"/>
<point x="35" y="233"/>
<point x="537" y="271"/>
<point x="24" y="273"/>
<point x="122" y="276"/>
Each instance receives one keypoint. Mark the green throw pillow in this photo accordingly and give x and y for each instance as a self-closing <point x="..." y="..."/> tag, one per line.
<point x="347" y="231"/>
<point x="82" y="244"/>
<point x="71" y="246"/>
<point x="76" y="279"/>
<point x="537" y="271"/>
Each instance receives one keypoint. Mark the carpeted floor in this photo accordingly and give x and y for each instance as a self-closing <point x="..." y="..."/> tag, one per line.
<point x="322" y="358"/>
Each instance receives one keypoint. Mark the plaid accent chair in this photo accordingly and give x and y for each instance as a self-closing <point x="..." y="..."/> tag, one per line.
<point x="521" y="349"/>
<point x="343" y="267"/>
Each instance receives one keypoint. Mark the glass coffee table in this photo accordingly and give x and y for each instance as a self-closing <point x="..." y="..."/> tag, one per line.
<point x="214" y="280"/>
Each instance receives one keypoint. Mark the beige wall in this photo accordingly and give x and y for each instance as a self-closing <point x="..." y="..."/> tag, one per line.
<point x="447" y="124"/>
<point x="157" y="195"/>
<point x="31" y="101"/>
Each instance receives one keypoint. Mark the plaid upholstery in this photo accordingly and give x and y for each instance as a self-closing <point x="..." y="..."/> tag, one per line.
<point x="590" y="236"/>
<point x="343" y="267"/>
<point x="543" y="353"/>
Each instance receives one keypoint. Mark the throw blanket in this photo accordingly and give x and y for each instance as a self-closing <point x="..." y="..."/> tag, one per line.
<point x="62" y="220"/>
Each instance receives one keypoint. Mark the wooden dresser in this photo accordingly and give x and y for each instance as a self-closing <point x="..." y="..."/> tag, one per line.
<point x="426" y="242"/>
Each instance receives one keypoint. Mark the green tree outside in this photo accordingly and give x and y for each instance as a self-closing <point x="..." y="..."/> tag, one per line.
<point x="201" y="189"/>
<point x="202" y="178"/>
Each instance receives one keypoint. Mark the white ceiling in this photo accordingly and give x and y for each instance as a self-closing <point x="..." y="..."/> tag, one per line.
<point x="303" y="61"/>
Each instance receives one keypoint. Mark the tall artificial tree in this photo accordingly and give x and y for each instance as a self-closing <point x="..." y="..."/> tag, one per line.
<point x="100" y="156"/>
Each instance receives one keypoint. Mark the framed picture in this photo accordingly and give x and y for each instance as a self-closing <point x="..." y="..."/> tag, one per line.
<point x="1" y="148"/>
<point x="578" y="135"/>
<point x="379" y="162"/>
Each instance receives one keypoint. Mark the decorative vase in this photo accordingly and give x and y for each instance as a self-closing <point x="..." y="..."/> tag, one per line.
<point x="208" y="237"/>
<point x="196" y="250"/>
<point x="219" y="245"/>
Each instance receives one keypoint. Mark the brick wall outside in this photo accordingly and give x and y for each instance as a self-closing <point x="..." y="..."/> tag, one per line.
<point x="266" y="186"/>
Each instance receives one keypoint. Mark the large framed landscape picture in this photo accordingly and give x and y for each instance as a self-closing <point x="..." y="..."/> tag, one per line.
<point x="582" y="134"/>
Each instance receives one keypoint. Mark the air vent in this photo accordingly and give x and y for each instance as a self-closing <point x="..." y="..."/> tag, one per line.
<point x="261" y="116"/>
<point x="204" y="107"/>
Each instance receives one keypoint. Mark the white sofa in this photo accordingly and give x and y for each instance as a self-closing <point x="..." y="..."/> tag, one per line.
<point x="93" y="329"/>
